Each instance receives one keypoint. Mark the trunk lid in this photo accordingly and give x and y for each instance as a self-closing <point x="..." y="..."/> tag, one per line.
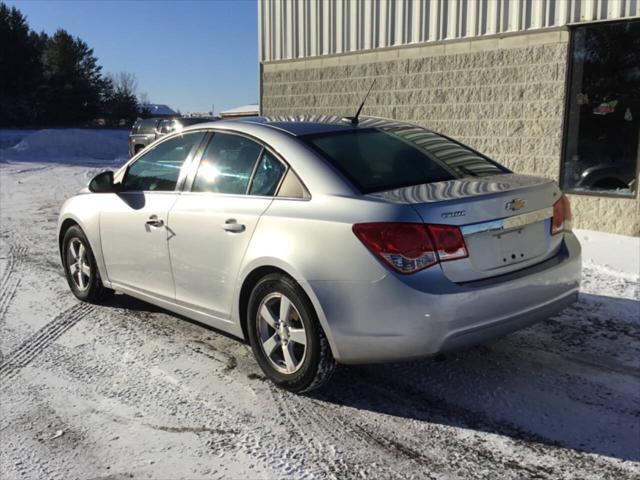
<point x="505" y="220"/>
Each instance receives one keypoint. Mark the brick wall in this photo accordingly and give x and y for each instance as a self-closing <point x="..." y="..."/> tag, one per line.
<point x="504" y="96"/>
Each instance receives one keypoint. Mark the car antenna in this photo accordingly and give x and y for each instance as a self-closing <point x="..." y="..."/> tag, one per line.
<point x="354" y="120"/>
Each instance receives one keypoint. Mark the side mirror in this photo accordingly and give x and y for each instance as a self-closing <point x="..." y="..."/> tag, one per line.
<point x="102" y="183"/>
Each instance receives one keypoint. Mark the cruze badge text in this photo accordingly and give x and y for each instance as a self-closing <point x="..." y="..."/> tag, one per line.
<point x="459" y="213"/>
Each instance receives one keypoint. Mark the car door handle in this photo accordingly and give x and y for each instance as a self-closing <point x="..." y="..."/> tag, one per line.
<point x="154" y="221"/>
<point x="232" y="225"/>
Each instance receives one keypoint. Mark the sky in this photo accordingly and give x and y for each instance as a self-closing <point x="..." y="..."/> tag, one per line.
<point x="189" y="55"/>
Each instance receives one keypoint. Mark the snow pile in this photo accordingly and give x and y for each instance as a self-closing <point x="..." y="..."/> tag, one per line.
<point x="618" y="254"/>
<point x="10" y="137"/>
<point x="69" y="146"/>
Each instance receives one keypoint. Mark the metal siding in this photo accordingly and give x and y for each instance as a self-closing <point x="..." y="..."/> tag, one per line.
<point x="309" y="28"/>
<point x="416" y="21"/>
<point x="337" y="26"/>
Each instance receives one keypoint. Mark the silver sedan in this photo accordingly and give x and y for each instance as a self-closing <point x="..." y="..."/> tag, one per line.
<point x="325" y="240"/>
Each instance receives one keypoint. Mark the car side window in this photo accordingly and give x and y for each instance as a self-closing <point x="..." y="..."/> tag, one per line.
<point x="159" y="169"/>
<point x="292" y="187"/>
<point x="227" y="164"/>
<point x="267" y="175"/>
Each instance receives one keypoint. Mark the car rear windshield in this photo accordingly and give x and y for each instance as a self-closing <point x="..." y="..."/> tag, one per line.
<point x="147" y="126"/>
<point x="378" y="159"/>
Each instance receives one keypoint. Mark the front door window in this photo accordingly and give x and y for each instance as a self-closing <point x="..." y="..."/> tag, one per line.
<point x="159" y="168"/>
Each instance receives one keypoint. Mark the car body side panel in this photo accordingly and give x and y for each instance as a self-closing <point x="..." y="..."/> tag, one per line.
<point x="316" y="235"/>
<point x="84" y="209"/>
<point x="258" y="262"/>
<point x="135" y="253"/>
<point x="205" y="257"/>
<point x="232" y="328"/>
<point x="300" y="237"/>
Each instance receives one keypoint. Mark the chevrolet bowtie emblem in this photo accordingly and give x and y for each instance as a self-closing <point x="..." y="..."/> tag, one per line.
<point x="515" y="204"/>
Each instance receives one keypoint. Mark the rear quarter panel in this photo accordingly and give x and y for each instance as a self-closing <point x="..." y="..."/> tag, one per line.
<point x="312" y="240"/>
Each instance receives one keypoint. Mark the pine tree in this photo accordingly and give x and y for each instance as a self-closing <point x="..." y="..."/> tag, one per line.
<point x="73" y="89"/>
<point x="21" y="68"/>
<point x="56" y="81"/>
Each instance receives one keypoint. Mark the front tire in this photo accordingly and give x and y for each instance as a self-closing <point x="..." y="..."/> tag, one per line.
<point x="286" y="337"/>
<point x="81" y="269"/>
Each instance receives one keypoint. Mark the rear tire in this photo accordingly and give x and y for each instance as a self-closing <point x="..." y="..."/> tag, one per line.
<point x="282" y="321"/>
<point x="81" y="269"/>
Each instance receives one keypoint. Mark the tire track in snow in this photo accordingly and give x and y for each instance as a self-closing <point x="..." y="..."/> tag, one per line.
<point x="340" y="450"/>
<point x="39" y="341"/>
<point x="382" y="451"/>
<point x="430" y="408"/>
<point x="29" y="465"/>
<point x="9" y="283"/>
<point x="387" y="457"/>
<point x="380" y="454"/>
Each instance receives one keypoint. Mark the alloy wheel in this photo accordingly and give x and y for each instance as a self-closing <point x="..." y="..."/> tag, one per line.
<point x="78" y="262"/>
<point x="281" y="333"/>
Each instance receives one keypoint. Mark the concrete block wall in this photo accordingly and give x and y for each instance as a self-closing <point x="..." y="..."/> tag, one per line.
<point x="504" y="96"/>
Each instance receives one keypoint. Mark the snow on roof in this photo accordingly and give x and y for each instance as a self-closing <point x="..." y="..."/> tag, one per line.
<point x="244" y="110"/>
<point x="158" y="109"/>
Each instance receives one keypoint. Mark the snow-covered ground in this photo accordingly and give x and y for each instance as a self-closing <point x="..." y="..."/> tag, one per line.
<point x="73" y="146"/>
<point x="126" y="390"/>
<point x="10" y="137"/>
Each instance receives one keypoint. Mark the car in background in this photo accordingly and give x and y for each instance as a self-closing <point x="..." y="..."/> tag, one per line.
<point x="146" y="131"/>
<point x="620" y="177"/>
<point x="143" y="132"/>
<point x="323" y="240"/>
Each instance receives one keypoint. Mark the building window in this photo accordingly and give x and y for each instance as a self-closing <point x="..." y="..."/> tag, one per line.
<point x="602" y="135"/>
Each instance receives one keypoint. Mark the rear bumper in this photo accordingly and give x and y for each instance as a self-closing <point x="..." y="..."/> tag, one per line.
<point x="401" y="318"/>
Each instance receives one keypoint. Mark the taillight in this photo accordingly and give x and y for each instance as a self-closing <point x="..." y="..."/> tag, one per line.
<point x="562" y="218"/>
<point x="449" y="242"/>
<point x="410" y="247"/>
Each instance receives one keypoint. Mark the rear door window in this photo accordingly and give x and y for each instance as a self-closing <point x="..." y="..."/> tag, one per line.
<point x="267" y="175"/>
<point x="227" y="164"/>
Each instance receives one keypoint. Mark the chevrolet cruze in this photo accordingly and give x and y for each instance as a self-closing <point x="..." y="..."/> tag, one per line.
<point x="323" y="240"/>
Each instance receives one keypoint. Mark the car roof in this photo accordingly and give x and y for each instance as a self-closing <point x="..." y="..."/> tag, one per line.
<point x="298" y="125"/>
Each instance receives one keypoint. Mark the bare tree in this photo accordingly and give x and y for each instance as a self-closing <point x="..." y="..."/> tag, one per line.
<point x="143" y="99"/>
<point x="124" y="83"/>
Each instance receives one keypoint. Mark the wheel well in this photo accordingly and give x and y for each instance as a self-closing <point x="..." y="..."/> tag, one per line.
<point x="66" y="225"/>
<point x="247" y="287"/>
<point x="137" y="147"/>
